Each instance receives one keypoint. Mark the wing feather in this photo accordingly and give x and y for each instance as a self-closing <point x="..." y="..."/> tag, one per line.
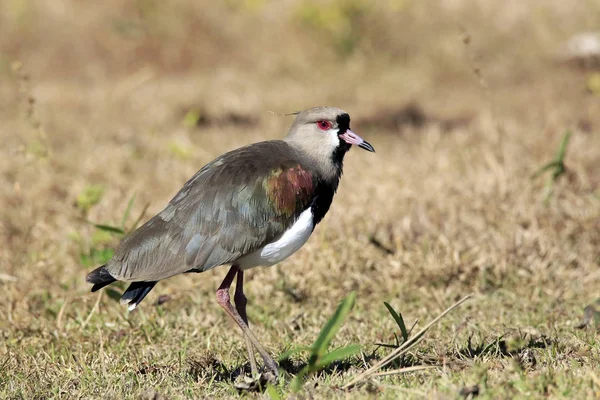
<point x="233" y="206"/>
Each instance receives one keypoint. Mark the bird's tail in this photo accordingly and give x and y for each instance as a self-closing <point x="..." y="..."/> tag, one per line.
<point x="135" y="293"/>
<point x="100" y="277"/>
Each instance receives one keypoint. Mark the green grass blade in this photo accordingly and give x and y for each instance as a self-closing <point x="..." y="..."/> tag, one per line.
<point x="562" y="150"/>
<point x="399" y="320"/>
<point x="109" y="228"/>
<point x="299" y="379"/>
<point x="113" y="294"/>
<point x="495" y="342"/>
<point x="338" y="354"/>
<point x="272" y="392"/>
<point x="550" y="165"/>
<point x="291" y="352"/>
<point x="558" y="164"/>
<point x="332" y="326"/>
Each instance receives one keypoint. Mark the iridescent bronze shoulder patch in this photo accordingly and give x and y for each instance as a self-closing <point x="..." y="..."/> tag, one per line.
<point x="289" y="189"/>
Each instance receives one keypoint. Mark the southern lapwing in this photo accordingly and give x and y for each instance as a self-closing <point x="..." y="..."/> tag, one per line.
<point x="254" y="206"/>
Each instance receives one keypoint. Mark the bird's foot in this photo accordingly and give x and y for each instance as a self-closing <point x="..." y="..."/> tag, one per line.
<point x="256" y="383"/>
<point x="271" y="367"/>
<point x="269" y="376"/>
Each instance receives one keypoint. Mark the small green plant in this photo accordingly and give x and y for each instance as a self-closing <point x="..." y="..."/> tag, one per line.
<point x="400" y="322"/>
<point x="557" y="166"/>
<point x="319" y="357"/>
<point x="272" y="392"/>
<point x="180" y="150"/>
<point x="89" y="197"/>
<point x="191" y="118"/>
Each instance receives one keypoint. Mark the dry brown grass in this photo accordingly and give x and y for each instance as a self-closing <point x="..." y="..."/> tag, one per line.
<point x="101" y="99"/>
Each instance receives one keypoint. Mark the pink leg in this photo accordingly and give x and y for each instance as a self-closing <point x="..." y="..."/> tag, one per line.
<point x="224" y="301"/>
<point x="240" y="300"/>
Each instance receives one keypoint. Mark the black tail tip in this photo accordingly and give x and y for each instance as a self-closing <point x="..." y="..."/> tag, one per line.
<point x="135" y="293"/>
<point x="100" y="277"/>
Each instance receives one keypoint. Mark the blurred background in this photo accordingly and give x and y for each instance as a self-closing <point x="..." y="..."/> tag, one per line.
<point x="108" y="107"/>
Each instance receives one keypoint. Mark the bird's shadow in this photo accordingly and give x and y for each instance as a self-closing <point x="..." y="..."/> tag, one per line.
<point x="210" y="368"/>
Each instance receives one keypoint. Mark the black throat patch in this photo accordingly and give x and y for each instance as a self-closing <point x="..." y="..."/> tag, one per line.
<point x="326" y="188"/>
<point x="343" y="122"/>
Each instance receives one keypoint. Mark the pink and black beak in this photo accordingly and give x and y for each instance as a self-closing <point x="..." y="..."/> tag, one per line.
<point x="352" y="138"/>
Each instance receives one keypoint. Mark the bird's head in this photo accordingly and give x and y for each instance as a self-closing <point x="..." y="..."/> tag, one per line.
<point x="324" y="132"/>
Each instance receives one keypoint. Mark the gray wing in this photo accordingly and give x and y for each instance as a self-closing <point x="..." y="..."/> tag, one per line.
<point x="234" y="205"/>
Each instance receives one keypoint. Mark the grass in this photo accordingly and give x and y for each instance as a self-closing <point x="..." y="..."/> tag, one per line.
<point x="557" y="166"/>
<point x="446" y="207"/>
<point x="319" y="357"/>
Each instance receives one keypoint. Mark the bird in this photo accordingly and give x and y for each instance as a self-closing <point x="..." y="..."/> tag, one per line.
<point x="253" y="206"/>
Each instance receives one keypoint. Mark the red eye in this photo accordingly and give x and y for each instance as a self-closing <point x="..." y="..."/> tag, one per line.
<point x="324" y="125"/>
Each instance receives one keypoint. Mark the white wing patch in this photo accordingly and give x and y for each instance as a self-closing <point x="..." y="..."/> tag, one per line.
<point x="285" y="246"/>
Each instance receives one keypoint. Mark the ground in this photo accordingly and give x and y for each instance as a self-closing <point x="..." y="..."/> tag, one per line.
<point x="113" y="103"/>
